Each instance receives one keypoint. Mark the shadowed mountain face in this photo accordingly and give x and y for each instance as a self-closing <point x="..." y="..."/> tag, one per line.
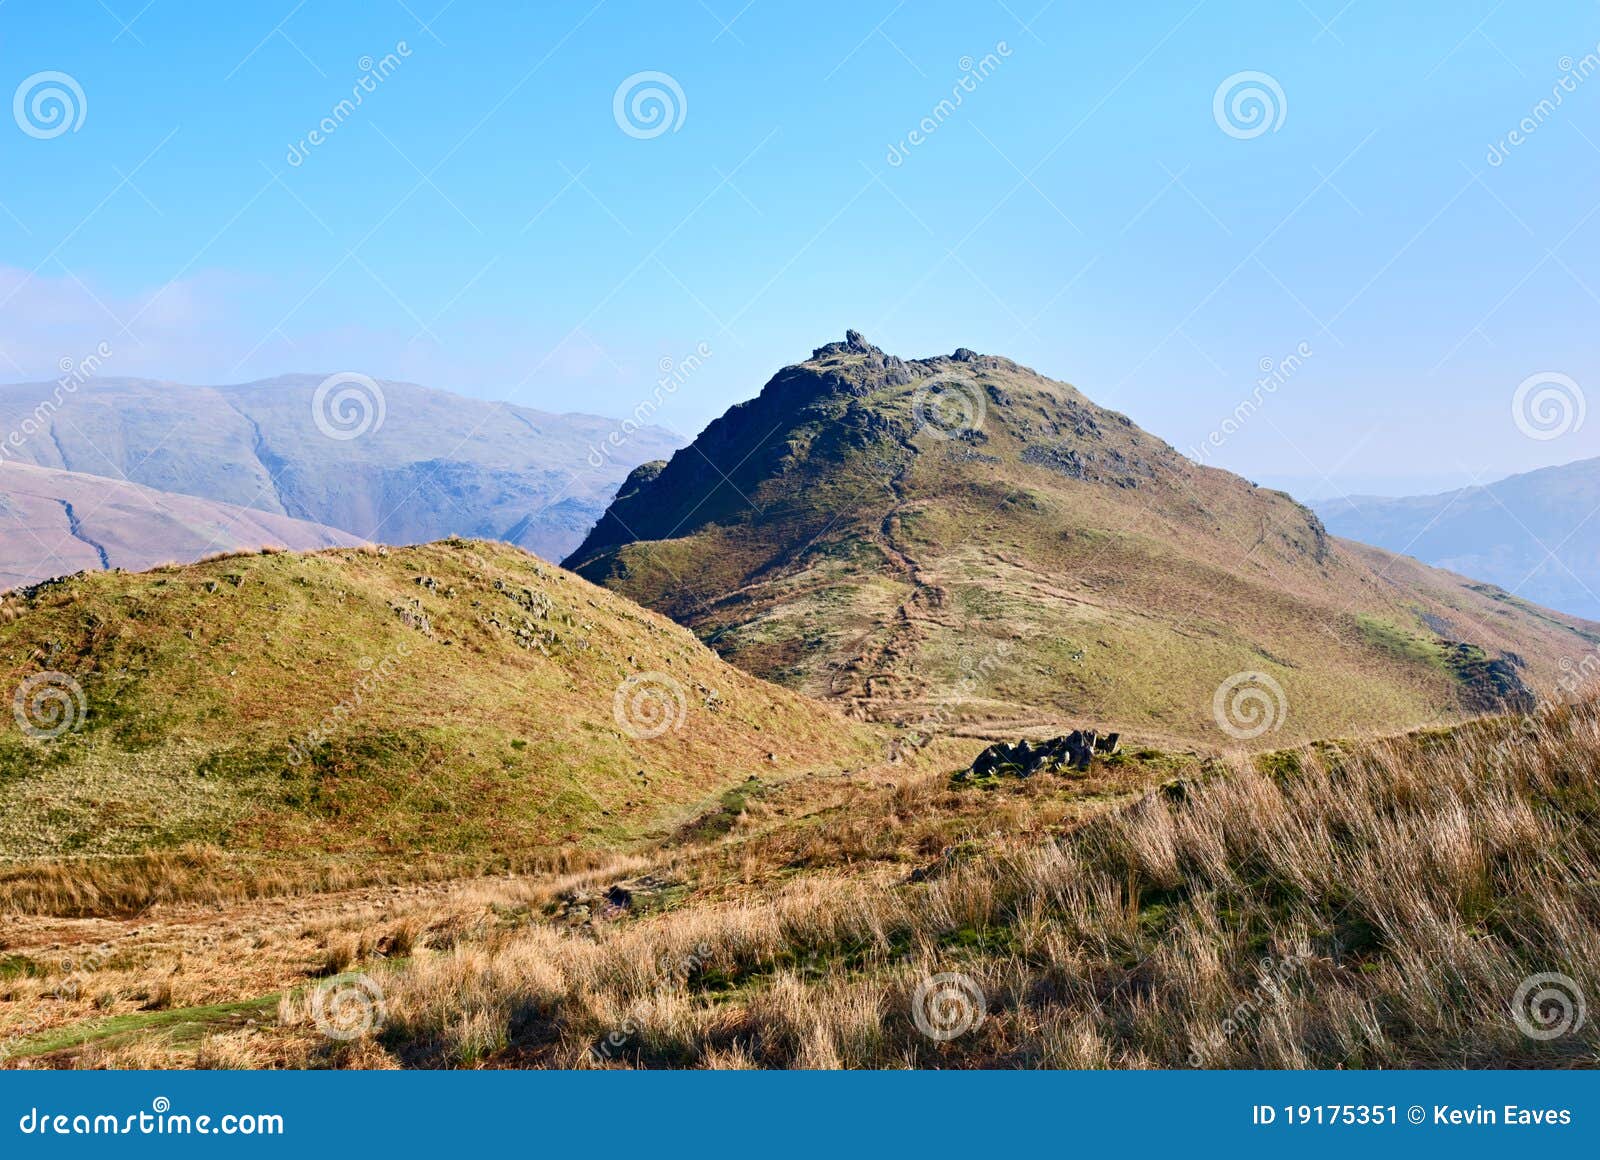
<point x="960" y="543"/>
<point x="402" y="465"/>
<point x="56" y="522"/>
<point x="1536" y="534"/>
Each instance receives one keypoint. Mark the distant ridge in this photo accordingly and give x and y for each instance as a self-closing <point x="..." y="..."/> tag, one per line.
<point x="53" y="523"/>
<point x="1537" y="534"/>
<point x="383" y="461"/>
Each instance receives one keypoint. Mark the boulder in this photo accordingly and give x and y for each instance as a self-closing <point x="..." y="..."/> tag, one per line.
<point x="645" y="893"/>
<point x="1024" y="759"/>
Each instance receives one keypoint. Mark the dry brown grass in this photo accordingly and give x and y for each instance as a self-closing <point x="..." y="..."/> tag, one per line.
<point x="230" y="932"/>
<point x="1365" y="905"/>
<point x="1371" y="907"/>
<point x="197" y="873"/>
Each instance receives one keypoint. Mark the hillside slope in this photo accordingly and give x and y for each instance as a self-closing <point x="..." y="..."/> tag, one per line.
<point x="1533" y="533"/>
<point x="1413" y="901"/>
<point x="404" y="464"/>
<point x="458" y="697"/>
<point x="961" y="543"/>
<point x="53" y="523"/>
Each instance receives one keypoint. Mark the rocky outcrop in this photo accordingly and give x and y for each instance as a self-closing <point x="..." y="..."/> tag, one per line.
<point x="1075" y="750"/>
<point x="1489" y="685"/>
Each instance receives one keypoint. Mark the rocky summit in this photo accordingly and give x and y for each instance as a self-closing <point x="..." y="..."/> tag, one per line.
<point x="959" y="544"/>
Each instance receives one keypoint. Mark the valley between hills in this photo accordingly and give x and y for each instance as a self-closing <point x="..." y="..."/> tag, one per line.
<point x="705" y="795"/>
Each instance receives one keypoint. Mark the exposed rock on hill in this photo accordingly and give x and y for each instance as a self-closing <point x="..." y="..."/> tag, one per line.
<point x="958" y="543"/>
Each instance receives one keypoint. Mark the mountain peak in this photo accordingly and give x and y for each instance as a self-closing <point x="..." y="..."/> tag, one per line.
<point x="854" y="343"/>
<point x="868" y="528"/>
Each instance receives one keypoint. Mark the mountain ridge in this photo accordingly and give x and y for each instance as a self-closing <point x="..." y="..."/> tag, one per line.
<point x="60" y="522"/>
<point x="880" y="530"/>
<point x="1531" y="532"/>
<point x="382" y="460"/>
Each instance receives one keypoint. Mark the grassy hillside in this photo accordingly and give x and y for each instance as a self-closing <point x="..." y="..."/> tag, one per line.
<point x="1417" y="901"/>
<point x="1372" y="905"/>
<point x="456" y="698"/>
<point x="960" y="543"/>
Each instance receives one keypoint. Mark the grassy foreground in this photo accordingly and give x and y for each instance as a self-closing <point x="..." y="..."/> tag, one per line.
<point x="1387" y="903"/>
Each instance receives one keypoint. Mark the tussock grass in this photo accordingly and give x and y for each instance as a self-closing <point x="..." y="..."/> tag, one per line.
<point x="1375" y="905"/>
<point x="1363" y="904"/>
<point x="206" y="874"/>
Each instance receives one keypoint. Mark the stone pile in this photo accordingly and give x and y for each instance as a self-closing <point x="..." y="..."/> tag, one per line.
<point x="1024" y="758"/>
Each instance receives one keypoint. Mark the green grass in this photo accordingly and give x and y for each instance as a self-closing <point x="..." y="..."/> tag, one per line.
<point x="181" y="1026"/>
<point x="331" y="702"/>
<point x="1401" y="644"/>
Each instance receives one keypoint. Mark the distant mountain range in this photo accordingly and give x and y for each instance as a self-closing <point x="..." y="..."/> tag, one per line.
<point x="1536" y="534"/>
<point x="57" y="522"/>
<point x="958" y="543"/>
<point x="385" y="461"/>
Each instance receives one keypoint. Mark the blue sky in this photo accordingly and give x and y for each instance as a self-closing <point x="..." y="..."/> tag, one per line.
<point x="482" y="223"/>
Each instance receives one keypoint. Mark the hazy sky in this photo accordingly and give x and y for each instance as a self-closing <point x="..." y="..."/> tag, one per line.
<point x="488" y="219"/>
